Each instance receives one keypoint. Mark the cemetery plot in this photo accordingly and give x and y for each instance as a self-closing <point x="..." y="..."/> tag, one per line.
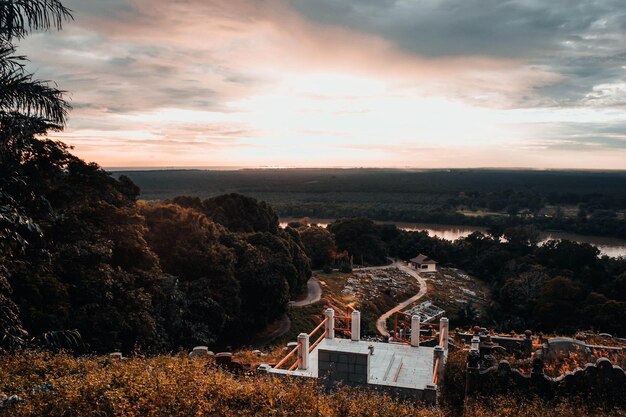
<point x="452" y="289"/>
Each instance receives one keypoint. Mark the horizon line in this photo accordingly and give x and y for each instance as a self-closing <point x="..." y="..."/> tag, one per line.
<point x="278" y="168"/>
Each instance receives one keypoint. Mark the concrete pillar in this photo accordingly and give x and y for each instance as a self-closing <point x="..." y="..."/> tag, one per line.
<point x="415" y="330"/>
<point x="438" y="353"/>
<point x="355" y="324"/>
<point x="303" y="351"/>
<point x="444" y="331"/>
<point x="330" y="323"/>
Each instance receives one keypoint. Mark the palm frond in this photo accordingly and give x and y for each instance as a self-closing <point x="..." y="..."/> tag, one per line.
<point x="20" y="93"/>
<point x="8" y="60"/>
<point x="20" y="17"/>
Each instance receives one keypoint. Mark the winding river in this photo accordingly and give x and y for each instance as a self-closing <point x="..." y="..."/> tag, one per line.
<point x="608" y="246"/>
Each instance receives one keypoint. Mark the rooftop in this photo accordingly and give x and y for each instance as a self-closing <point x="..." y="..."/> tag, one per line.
<point x="422" y="259"/>
<point x="391" y="364"/>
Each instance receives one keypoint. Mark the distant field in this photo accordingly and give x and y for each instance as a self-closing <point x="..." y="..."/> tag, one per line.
<point x="361" y="182"/>
<point x="433" y="196"/>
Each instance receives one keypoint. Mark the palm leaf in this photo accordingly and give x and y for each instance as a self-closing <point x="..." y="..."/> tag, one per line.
<point x="20" y="93"/>
<point x="20" y="17"/>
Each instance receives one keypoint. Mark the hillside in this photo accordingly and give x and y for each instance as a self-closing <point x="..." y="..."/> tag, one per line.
<point x="60" y="385"/>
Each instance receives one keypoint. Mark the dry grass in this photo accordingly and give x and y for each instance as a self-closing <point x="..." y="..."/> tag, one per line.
<point x="177" y="386"/>
<point x="174" y="386"/>
<point x="513" y="406"/>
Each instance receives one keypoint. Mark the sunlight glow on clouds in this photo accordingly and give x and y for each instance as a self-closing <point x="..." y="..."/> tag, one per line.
<point x="344" y="83"/>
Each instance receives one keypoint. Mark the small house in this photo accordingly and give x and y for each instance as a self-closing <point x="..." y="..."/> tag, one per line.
<point x="423" y="263"/>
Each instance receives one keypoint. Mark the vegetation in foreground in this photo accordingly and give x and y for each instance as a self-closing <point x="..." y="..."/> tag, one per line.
<point x="177" y="386"/>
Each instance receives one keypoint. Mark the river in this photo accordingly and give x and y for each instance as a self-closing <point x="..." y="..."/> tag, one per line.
<point x="607" y="245"/>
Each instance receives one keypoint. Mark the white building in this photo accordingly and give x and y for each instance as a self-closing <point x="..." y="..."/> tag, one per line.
<point x="406" y="369"/>
<point x="423" y="263"/>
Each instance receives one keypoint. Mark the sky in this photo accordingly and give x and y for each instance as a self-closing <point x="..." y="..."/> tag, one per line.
<point x="342" y="83"/>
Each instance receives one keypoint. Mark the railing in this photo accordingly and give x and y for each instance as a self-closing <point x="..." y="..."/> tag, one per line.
<point x="303" y="349"/>
<point x="400" y="317"/>
<point x="290" y="354"/>
<point x="295" y="350"/>
<point x="322" y="336"/>
<point x="345" y="329"/>
<point x="436" y="371"/>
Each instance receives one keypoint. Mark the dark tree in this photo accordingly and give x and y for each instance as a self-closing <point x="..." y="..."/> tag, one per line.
<point x="319" y="245"/>
<point x="360" y="237"/>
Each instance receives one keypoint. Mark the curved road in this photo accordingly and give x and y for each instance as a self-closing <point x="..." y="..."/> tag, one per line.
<point x="381" y="323"/>
<point x="314" y="294"/>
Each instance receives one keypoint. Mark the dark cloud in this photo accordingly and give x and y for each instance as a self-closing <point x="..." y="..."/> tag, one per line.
<point x="478" y="27"/>
<point x="583" y="40"/>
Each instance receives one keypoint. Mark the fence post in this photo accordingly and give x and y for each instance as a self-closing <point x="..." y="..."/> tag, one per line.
<point x="415" y="330"/>
<point x="303" y="351"/>
<point x="444" y="330"/>
<point x="330" y="323"/>
<point x="355" y="324"/>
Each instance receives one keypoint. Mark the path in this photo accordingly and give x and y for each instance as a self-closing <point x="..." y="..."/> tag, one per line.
<point x="381" y="323"/>
<point x="282" y="326"/>
<point x="314" y="294"/>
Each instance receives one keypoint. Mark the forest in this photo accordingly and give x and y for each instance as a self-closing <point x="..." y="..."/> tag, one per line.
<point x="585" y="202"/>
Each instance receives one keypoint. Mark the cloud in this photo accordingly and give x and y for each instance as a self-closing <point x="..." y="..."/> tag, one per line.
<point x="257" y="81"/>
<point x="582" y="41"/>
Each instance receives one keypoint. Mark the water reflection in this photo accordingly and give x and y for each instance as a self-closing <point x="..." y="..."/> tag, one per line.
<point x="608" y="246"/>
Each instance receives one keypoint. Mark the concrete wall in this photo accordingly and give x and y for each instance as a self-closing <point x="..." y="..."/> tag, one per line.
<point x="349" y="367"/>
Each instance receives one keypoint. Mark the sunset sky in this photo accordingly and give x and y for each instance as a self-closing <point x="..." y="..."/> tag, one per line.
<point x="316" y="83"/>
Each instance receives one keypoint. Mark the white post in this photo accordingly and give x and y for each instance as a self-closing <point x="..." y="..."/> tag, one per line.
<point x="355" y="322"/>
<point x="303" y="351"/>
<point x="415" y="330"/>
<point x="444" y="330"/>
<point x="330" y="323"/>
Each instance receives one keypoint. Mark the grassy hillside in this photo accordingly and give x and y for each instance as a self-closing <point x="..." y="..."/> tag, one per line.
<point x="177" y="386"/>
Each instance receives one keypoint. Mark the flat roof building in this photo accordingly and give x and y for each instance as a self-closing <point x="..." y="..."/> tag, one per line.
<point x="408" y="370"/>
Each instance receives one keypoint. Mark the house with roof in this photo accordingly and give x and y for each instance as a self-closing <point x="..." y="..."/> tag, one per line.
<point x="423" y="263"/>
